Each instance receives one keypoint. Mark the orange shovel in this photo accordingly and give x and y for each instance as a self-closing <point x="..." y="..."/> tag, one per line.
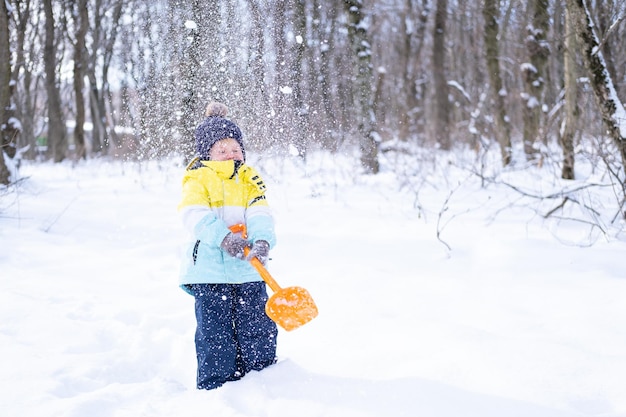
<point x="289" y="307"/>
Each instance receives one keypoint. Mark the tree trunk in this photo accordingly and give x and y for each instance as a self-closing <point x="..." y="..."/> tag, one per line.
<point x="107" y="56"/>
<point x="191" y="81"/>
<point x="96" y="108"/>
<point x="25" y="107"/>
<point x="80" y="64"/>
<point x="278" y="122"/>
<point x="569" y="128"/>
<point x="534" y="75"/>
<point x="606" y="9"/>
<point x="98" y="134"/>
<point x="300" y="109"/>
<point x="6" y="141"/>
<point x="209" y="16"/>
<point x="611" y="108"/>
<point x="260" y="103"/>
<point x="326" y="38"/>
<point x="101" y="56"/>
<point x="414" y="36"/>
<point x="442" y="103"/>
<point x="363" y="86"/>
<point x="57" y="140"/>
<point x="503" y="130"/>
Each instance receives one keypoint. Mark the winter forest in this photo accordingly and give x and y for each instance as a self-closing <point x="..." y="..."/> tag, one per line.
<point x="447" y="179"/>
<point x="539" y="84"/>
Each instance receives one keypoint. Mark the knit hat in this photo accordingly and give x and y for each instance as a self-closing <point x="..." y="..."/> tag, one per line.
<point x="214" y="128"/>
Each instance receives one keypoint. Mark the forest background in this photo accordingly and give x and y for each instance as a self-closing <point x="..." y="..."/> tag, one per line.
<point x="539" y="83"/>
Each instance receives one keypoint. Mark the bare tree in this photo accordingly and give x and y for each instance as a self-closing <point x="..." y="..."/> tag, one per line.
<point x="608" y="9"/>
<point x="296" y="75"/>
<point x="534" y="74"/>
<point x="325" y="32"/>
<point x="7" y="131"/>
<point x="57" y="140"/>
<point x="146" y="65"/>
<point x="81" y="17"/>
<point x="414" y="41"/>
<point x="257" y="88"/>
<point x="192" y="77"/>
<point x="106" y="17"/>
<point x="442" y="103"/>
<point x="610" y="106"/>
<point x="569" y="124"/>
<point x="28" y="48"/>
<point x="362" y="91"/>
<point x="503" y="130"/>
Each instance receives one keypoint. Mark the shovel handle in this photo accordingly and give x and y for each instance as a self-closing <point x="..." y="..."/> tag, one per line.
<point x="258" y="265"/>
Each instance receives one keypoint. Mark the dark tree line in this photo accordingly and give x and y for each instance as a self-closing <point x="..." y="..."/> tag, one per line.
<point x="131" y="78"/>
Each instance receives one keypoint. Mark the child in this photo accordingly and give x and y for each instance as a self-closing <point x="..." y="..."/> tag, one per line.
<point x="233" y="334"/>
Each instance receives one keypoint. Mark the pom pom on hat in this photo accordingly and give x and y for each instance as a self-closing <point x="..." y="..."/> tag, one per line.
<point x="215" y="108"/>
<point x="214" y="128"/>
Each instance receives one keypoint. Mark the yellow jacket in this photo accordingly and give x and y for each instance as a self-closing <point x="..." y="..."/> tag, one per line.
<point x="216" y="195"/>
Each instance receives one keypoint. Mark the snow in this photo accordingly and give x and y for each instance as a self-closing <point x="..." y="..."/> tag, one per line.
<point x="15" y="123"/>
<point x="521" y="317"/>
<point x="620" y="112"/>
<point x="531" y="101"/>
<point x="459" y="87"/>
<point x="528" y="67"/>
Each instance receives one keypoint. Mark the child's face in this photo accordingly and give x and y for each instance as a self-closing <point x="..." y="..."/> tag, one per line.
<point x="226" y="149"/>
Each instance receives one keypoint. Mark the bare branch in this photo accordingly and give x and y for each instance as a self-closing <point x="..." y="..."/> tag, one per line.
<point x="610" y="30"/>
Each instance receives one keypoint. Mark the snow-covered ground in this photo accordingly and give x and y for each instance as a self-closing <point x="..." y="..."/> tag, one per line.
<point x="520" y="317"/>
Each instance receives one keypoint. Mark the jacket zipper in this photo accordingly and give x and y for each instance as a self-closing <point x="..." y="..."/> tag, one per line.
<point x="195" y="251"/>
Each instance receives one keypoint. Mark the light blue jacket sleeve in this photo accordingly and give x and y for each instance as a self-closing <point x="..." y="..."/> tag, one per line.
<point x="211" y="230"/>
<point x="261" y="228"/>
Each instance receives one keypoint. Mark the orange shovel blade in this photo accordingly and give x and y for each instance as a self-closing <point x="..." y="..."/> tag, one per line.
<point x="291" y="307"/>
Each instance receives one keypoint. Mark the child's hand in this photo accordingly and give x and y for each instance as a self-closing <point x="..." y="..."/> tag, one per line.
<point x="260" y="250"/>
<point x="234" y="245"/>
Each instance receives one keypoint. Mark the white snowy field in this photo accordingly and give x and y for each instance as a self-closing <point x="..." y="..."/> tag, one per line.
<point x="523" y="316"/>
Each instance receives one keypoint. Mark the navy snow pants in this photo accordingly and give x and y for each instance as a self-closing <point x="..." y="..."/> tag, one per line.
<point x="234" y="335"/>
